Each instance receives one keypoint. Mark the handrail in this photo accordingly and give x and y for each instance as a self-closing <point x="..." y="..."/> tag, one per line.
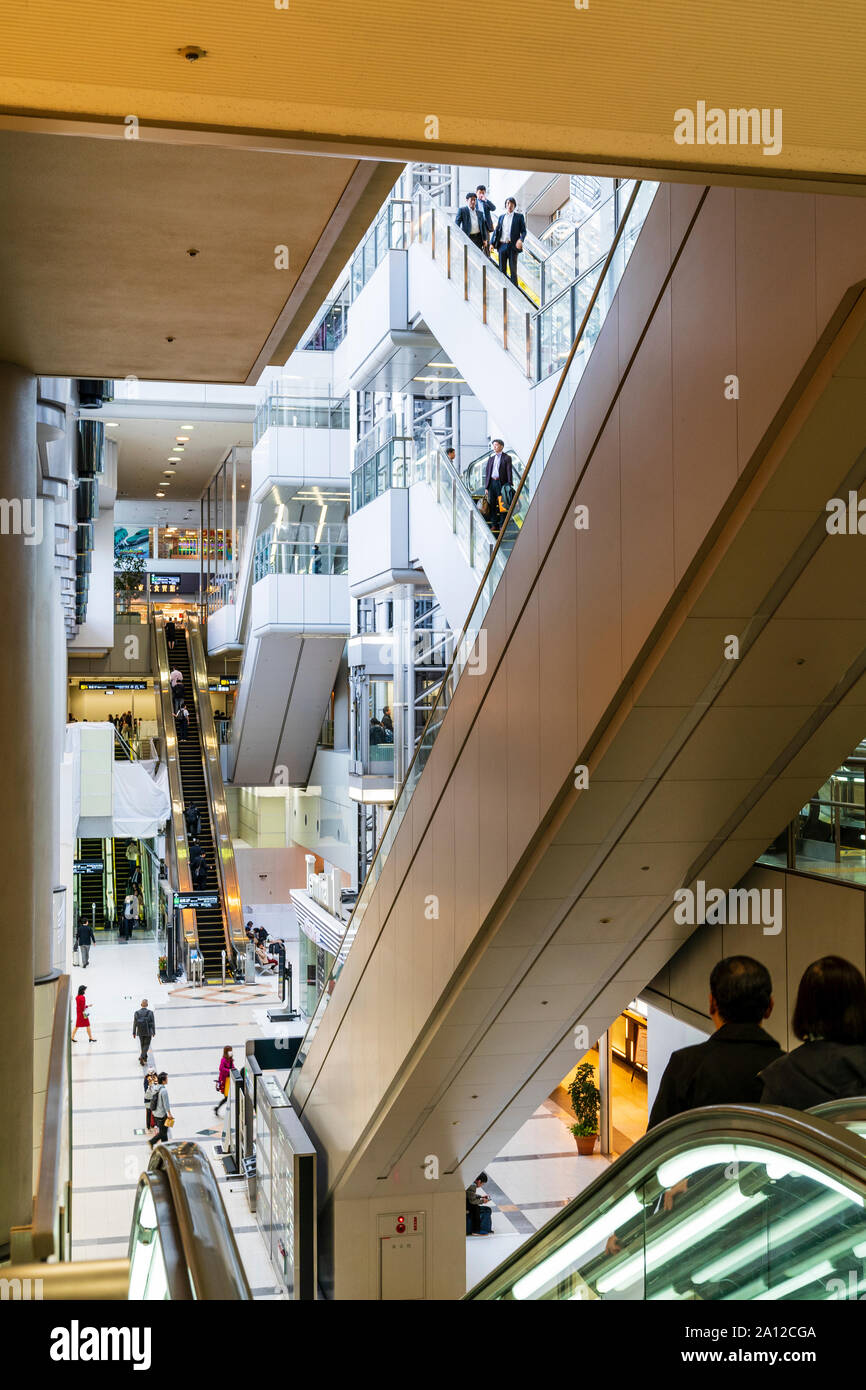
<point x="835" y="1151"/>
<point x="501" y="546"/>
<point x="210" y="1253"/>
<point x="127" y="747"/>
<point x="233" y="925"/>
<point x="42" y="1230"/>
<point x="177" y="840"/>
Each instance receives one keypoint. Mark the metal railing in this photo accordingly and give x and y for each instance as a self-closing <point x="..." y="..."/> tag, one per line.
<point x="602" y="297"/>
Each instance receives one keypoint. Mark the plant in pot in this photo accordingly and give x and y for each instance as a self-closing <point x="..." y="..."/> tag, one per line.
<point x="585" y="1100"/>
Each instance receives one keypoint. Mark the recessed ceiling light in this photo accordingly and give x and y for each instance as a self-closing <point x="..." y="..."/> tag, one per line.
<point x="110" y="424"/>
<point x="168" y="472"/>
<point x="182" y="438"/>
<point x="160" y="494"/>
<point x="187" y="427"/>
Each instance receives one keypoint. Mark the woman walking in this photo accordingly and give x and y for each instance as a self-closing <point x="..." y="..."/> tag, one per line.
<point x="226" y="1065"/>
<point x="81" y="1018"/>
<point x="151" y="1086"/>
<point x="160" y="1109"/>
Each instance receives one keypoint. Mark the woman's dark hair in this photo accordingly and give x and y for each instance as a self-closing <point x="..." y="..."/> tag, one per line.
<point x="831" y="1002"/>
<point x="742" y="989"/>
<point x="162" y="1077"/>
<point x="81" y="989"/>
<point x="227" y="1050"/>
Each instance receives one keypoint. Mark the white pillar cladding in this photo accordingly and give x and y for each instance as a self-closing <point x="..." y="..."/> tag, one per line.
<point x="403" y="712"/>
<point x="19" y="674"/>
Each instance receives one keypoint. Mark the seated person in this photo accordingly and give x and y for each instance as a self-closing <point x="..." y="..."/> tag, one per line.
<point x="479" y="1219"/>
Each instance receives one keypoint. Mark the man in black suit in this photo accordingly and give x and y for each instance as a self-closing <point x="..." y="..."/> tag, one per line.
<point x="497" y="475"/>
<point x="509" y="237"/>
<point x="472" y="222"/>
<point x="486" y="210"/>
<point x="724" y="1070"/>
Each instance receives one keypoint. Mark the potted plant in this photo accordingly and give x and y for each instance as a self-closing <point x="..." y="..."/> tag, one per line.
<point x="585" y="1100"/>
<point x="162" y="967"/>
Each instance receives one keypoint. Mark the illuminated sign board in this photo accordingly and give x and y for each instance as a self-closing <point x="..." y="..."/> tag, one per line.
<point x="88" y="866"/>
<point x="201" y="900"/>
<point x="112" y="685"/>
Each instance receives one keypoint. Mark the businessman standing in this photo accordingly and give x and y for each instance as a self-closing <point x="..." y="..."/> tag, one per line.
<point x="471" y="221"/>
<point x="509" y="237"/>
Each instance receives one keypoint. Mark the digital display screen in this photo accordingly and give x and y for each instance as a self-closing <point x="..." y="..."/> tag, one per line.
<point x="202" y="900"/>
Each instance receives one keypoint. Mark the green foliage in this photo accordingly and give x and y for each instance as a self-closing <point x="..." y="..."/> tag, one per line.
<point x="129" y="573"/>
<point x="585" y="1100"/>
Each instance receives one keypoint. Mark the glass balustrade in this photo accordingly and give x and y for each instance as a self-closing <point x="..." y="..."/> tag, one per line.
<point x="301" y="549"/>
<point x="390" y="232"/>
<point x="279" y="410"/>
<point x="439" y="479"/>
<point x="720" y="1205"/>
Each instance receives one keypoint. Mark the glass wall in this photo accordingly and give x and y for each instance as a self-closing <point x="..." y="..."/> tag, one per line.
<point x="390" y="232"/>
<point x="827" y="837"/>
<point x="281" y="408"/>
<point x="330" y="328"/>
<point x="301" y="548"/>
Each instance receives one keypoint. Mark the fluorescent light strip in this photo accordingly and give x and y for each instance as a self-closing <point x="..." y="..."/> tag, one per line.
<point x="575" y="1249"/>
<point x="658" y="1252"/>
<point x="779" y="1232"/>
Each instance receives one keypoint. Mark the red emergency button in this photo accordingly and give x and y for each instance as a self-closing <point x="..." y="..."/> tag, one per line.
<point x="401" y="1225"/>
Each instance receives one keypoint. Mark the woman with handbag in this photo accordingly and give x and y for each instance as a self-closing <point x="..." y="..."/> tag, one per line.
<point x="222" y="1084"/>
<point x="82" y="1019"/>
<point x="161" y="1111"/>
<point x="151" y="1086"/>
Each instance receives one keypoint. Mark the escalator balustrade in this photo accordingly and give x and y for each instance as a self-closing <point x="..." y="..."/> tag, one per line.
<point x="731" y="1203"/>
<point x="209" y="921"/>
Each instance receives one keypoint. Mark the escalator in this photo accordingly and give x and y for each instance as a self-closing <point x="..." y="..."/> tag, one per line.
<point x="209" y="920"/>
<point x="122" y="871"/>
<point x="606" y="754"/>
<point x="91" y="887"/>
<point x="729" y="1203"/>
<point x="181" y="1243"/>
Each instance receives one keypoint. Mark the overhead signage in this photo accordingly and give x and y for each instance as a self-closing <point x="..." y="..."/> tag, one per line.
<point x="164" y="583"/>
<point x="226" y="681"/>
<point x="196" y="900"/>
<point x="88" y="866"/>
<point x="112" y="685"/>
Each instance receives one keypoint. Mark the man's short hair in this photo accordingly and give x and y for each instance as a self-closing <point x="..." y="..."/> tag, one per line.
<point x="512" y="201"/>
<point x="742" y="988"/>
<point x="482" y="1177"/>
<point x="499" y="441"/>
<point x="470" y="195"/>
<point x="162" y="1078"/>
<point x="143" y="1002"/>
<point x="481" y="188"/>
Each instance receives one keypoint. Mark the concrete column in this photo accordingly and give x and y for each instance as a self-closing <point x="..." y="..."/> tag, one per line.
<point x="47" y="753"/>
<point x="18" y="679"/>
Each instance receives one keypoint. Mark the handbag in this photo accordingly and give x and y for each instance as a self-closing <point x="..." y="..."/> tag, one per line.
<point x="484" y="505"/>
<point x="169" y="1121"/>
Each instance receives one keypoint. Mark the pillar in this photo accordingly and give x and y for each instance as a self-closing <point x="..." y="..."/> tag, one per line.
<point x="18" y="570"/>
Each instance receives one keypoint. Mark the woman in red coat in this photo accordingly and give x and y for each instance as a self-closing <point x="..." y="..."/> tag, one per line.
<point x="81" y="1019"/>
<point x="226" y="1065"/>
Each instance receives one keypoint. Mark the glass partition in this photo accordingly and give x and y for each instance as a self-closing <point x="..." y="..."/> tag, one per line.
<point x="390" y="232"/>
<point x="301" y="549"/>
<point x="827" y="837"/>
<point x="280" y="410"/>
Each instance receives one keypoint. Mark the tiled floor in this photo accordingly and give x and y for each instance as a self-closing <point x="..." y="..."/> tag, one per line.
<point x="192" y="1027"/>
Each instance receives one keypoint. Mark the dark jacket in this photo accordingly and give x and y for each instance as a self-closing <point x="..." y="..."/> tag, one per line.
<point x="143" y="1024"/>
<point x="505" y="473"/>
<point x="464" y="221"/>
<point x="814" y="1073"/>
<point x="85" y="933"/>
<point x="484" y="205"/>
<point x="724" y="1070"/>
<point x="518" y="228"/>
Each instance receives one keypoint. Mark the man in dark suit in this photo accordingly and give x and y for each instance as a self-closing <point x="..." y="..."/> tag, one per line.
<point x="497" y="475"/>
<point x="724" y="1070"/>
<point x="472" y="222"/>
<point x="509" y="237"/>
<point x="486" y="210"/>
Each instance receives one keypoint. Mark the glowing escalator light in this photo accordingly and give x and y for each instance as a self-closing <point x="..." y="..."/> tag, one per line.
<point x="779" y="1232"/>
<point x="797" y="1281"/>
<point x="574" y="1249"/>
<point x="676" y="1241"/>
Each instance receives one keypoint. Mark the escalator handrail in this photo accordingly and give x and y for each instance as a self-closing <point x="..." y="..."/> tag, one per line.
<point x="436" y="707"/>
<point x="210" y="1251"/>
<point x="224" y="857"/>
<point x="802" y="1135"/>
<point x="841" y="1111"/>
<point x="175" y="787"/>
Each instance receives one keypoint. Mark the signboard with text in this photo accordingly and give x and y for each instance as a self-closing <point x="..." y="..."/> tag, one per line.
<point x="196" y="900"/>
